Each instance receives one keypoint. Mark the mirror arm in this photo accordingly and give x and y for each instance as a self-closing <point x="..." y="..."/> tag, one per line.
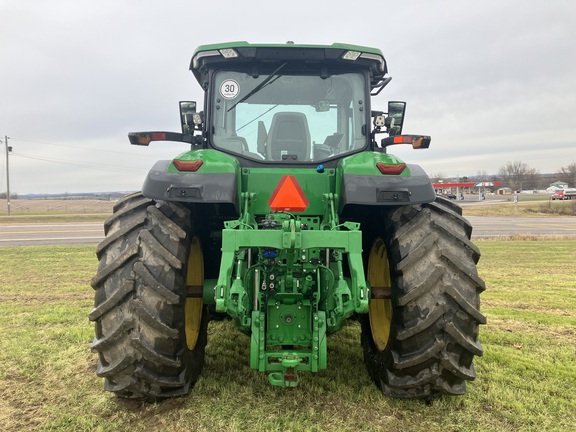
<point x="145" y="138"/>
<point x="417" y="141"/>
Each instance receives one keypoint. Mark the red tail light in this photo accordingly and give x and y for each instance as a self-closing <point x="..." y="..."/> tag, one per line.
<point x="189" y="166"/>
<point x="391" y="169"/>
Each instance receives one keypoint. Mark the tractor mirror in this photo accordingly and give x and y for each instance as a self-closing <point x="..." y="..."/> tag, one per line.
<point x="395" y="117"/>
<point x="188" y="117"/>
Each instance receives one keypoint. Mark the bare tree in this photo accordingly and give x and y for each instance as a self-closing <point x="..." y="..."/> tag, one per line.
<point x="482" y="175"/>
<point x="568" y="174"/>
<point x="437" y="178"/>
<point x="518" y="175"/>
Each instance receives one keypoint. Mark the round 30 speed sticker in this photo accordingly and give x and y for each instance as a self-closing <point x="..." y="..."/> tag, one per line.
<point x="229" y="89"/>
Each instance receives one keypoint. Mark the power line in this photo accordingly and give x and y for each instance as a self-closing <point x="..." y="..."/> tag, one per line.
<point x="82" y="148"/>
<point x="80" y="165"/>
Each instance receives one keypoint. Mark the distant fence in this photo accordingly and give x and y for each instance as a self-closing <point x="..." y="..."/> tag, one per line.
<point x="33" y="206"/>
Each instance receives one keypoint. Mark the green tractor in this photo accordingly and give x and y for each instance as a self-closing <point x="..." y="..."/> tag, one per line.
<point x="288" y="216"/>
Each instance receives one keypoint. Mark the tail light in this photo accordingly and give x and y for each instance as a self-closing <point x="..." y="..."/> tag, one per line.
<point x="187" y="165"/>
<point x="391" y="169"/>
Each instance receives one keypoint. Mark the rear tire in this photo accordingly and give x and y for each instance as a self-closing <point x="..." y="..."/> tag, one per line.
<point x="140" y="301"/>
<point x="433" y="334"/>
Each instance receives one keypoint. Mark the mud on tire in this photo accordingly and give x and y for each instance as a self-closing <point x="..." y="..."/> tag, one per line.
<point x="435" y="298"/>
<point x="140" y="290"/>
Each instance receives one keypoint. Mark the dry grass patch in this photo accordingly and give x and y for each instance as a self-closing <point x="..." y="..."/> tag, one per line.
<point x="522" y="209"/>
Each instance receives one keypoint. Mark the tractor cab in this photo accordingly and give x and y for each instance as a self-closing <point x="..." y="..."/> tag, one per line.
<point x="288" y="104"/>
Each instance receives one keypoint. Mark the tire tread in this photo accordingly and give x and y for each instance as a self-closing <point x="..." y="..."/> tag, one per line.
<point x="436" y="306"/>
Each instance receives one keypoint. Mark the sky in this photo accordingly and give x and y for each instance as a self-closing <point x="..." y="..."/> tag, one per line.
<point x="491" y="81"/>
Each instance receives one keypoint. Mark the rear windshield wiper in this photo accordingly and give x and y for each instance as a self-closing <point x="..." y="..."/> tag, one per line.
<point x="260" y="86"/>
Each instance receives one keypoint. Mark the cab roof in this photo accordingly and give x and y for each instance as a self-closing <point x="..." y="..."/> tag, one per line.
<point x="241" y="52"/>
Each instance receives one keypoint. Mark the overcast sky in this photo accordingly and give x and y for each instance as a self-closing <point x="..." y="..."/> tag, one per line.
<point x="491" y="81"/>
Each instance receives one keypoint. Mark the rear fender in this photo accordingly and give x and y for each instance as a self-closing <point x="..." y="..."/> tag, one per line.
<point x="215" y="181"/>
<point x="362" y="183"/>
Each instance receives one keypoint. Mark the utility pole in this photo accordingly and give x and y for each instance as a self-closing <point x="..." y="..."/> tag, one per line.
<point x="8" y="150"/>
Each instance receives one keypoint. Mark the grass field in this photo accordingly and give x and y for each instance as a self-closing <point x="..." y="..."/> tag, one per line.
<point x="526" y="378"/>
<point x="522" y="209"/>
<point x="46" y="211"/>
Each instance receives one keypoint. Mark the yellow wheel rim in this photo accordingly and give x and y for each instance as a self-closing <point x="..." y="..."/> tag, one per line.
<point x="193" y="305"/>
<point x="379" y="310"/>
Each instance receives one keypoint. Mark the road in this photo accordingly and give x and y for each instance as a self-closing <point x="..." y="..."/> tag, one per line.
<point x="40" y="234"/>
<point x="45" y="234"/>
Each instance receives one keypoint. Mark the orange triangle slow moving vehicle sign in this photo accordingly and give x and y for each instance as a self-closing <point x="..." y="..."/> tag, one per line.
<point x="288" y="196"/>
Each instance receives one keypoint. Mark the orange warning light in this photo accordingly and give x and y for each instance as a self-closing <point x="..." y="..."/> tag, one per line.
<point x="288" y="196"/>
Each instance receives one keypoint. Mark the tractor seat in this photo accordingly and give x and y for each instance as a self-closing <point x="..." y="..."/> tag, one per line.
<point x="289" y="137"/>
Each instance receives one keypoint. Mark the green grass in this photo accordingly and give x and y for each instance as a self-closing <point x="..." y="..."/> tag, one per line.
<point x="526" y="378"/>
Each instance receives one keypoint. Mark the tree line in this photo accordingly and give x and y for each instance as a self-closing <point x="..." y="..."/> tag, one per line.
<point x="518" y="175"/>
